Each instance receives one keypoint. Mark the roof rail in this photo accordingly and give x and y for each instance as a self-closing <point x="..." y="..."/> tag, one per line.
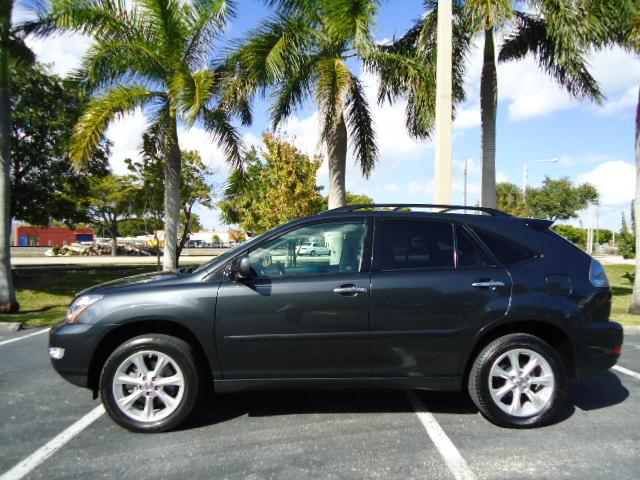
<point x="399" y="206"/>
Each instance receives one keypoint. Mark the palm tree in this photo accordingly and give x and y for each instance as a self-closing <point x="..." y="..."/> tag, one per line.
<point x="304" y="51"/>
<point x="152" y="54"/>
<point x="12" y="48"/>
<point x="486" y="17"/>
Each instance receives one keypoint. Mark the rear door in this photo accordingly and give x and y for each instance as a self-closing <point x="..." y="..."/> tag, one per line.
<point x="433" y="286"/>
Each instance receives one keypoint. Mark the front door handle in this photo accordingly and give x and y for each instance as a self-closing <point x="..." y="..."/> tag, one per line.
<point x="492" y="284"/>
<point x="349" y="290"/>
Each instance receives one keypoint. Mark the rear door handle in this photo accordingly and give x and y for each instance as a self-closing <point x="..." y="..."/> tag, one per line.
<point x="349" y="290"/>
<point x="492" y="284"/>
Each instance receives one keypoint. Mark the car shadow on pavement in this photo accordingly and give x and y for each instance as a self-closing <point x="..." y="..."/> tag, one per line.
<point x="602" y="391"/>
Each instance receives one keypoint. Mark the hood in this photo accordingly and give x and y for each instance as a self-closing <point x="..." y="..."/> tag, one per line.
<point x="141" y="280"/>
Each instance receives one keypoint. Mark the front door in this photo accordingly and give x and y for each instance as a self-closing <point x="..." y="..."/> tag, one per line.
<point x="300" y="315"/>
<point x="433" y="286"/>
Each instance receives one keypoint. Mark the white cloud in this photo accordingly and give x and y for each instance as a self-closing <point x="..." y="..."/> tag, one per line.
<point x="501" y="177"/>
<point x="626" y="101"/>
<point x="390" y="187"/>
<point x="63" y="52"/>
<point x="421" y="189"/>
<point x="467" y="117"/>
<point x="615" y="181"/>
<point x="126" y="135"/>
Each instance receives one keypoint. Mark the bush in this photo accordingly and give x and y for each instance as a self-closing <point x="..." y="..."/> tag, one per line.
<point x="575" y="235"/>
<point x="627" y="245"/>
<point x="55" y="250"/>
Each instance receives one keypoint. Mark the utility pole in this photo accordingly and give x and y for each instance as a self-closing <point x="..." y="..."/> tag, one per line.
<point x="444" y="107"/>
<point x="466" y="169"/>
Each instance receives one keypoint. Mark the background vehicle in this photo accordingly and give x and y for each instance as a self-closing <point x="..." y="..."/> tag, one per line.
<point x="495" y="304"/>
<point x="313" y="249"/>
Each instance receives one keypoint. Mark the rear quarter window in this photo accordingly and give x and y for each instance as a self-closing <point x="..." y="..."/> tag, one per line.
<point x="506" y="251"/>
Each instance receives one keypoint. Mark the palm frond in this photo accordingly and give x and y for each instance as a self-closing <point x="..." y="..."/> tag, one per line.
<point x="361" y="128"/>
<point x="19" y="52"/>
<point x="164" y="18"/>
<point x="99" y="113"/>
<point x="564" y="59"/>
<point x="205" y="20"/>
<point x="103" y="19"/>
<point x="290" y="93"/>
<point x="224" y="133"/>
<point x="109" y="60"/>
<point x="350" y="21"/>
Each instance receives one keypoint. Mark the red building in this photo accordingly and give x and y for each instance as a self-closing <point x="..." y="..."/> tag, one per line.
<point x="28" y="236"/>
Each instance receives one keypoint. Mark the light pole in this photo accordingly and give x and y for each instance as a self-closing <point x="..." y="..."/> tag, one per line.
<point x="466" y="169"/>
<point x="444" y="107"/>
<point x="526" y="169"/>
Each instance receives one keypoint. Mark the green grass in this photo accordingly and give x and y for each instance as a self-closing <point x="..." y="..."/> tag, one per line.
<point x="45" y="295"/>
<point x="621" y="288"/>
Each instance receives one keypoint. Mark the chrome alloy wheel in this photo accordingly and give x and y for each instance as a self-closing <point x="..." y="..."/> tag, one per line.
<point x="521" y="382"/>
<point x="148" y="386"/>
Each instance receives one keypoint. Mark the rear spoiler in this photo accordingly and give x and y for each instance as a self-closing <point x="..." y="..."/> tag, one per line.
<point x="538" y="223"/>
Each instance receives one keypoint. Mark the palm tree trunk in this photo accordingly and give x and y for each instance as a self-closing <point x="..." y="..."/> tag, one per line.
<point x="337" y="147"/>
<point x="489" y="107"/>
<point x="8" y="301"/>
<point x="172" y="167"/>
<point x="635" y="299"/>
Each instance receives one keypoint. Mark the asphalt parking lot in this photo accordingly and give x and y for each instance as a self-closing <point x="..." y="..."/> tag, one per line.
<point x="46" y="432"/>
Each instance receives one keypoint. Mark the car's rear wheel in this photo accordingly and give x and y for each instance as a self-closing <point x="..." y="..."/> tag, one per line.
<point x="518" y="381"/>
<point x="150" y="383"/>
<point x="313" y="253"/>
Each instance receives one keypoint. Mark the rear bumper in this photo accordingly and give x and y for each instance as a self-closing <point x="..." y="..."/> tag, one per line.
<point x="79" y="342"/>
<point x="598" y="348"/>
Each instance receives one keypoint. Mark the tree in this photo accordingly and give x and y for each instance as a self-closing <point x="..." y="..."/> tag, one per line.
<point x="44" y="111"/>
<point x="110" y="199"/>
<point x="510" y="199"/>
<point x="12" y="49"/>
<point x="556" y="25"/>
<point x="149" y="54"/>
<point x="215" y="239"/>
<point x="560" y="199"/>
<point x="278" y="185"/>
<point x="302" y="52"/>
<point x="195" y="186"/>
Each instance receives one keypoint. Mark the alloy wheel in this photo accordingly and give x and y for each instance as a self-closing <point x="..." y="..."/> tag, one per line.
<point x="148" y="386"/>
<point x="521" y="382"/>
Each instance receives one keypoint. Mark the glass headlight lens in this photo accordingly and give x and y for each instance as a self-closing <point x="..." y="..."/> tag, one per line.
<point x="79" y="305"/>
<point x="597" y="274"/>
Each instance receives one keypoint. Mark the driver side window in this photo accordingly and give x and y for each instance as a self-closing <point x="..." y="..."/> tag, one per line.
<point x="331" y="247"/>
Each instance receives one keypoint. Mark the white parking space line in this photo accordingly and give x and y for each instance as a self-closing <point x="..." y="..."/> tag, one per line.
<point x="445" y="446"/>
<point x="44" y="452"/>
<point x="626" y="371"/>
<point x="11" y="340"/>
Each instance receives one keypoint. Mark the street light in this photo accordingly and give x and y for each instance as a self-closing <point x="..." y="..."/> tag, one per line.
<point x="526" y="167"/>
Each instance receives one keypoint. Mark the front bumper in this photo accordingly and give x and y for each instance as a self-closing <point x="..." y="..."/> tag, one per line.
<point x="598" y="348"/>
<point x="79" y="341"/>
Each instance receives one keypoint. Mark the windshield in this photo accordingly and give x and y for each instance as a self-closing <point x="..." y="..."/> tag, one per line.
<point x="229" y="253"/>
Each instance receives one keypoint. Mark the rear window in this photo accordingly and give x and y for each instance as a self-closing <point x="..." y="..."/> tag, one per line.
<point x="416" y="244"/>
<point x="469" y="254"/>
<point x="506" y="251"/>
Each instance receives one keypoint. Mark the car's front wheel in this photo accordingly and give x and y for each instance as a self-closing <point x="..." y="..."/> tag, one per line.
<point x="150" y="383"/>
<point x="518" y="381"/>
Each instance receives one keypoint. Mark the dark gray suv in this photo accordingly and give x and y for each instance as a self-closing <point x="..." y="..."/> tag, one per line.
<point x="499" y="305"/>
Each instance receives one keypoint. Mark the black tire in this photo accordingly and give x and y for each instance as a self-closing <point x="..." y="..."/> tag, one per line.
<point x="181" y="353"/>
<point x="479" y="381"/>
<point x="313" y="253"/>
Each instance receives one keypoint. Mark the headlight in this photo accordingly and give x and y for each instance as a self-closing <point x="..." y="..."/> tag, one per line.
<point x="79" y="305"/>
<point x="597" y="274"/>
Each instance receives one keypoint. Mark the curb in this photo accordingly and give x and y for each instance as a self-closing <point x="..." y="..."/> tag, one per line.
<point x="6" y="327"/>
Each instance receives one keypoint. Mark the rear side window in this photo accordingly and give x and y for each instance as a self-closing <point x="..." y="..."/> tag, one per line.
<point x="416" y="244"/>
<point x="506" y="251"/>
<point x="469" y="253"/>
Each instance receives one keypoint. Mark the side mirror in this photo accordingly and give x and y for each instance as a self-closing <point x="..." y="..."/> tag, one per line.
<point x="242" y="267"/>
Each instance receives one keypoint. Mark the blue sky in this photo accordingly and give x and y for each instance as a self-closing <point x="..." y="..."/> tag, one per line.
<point x="536" y="120"/>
